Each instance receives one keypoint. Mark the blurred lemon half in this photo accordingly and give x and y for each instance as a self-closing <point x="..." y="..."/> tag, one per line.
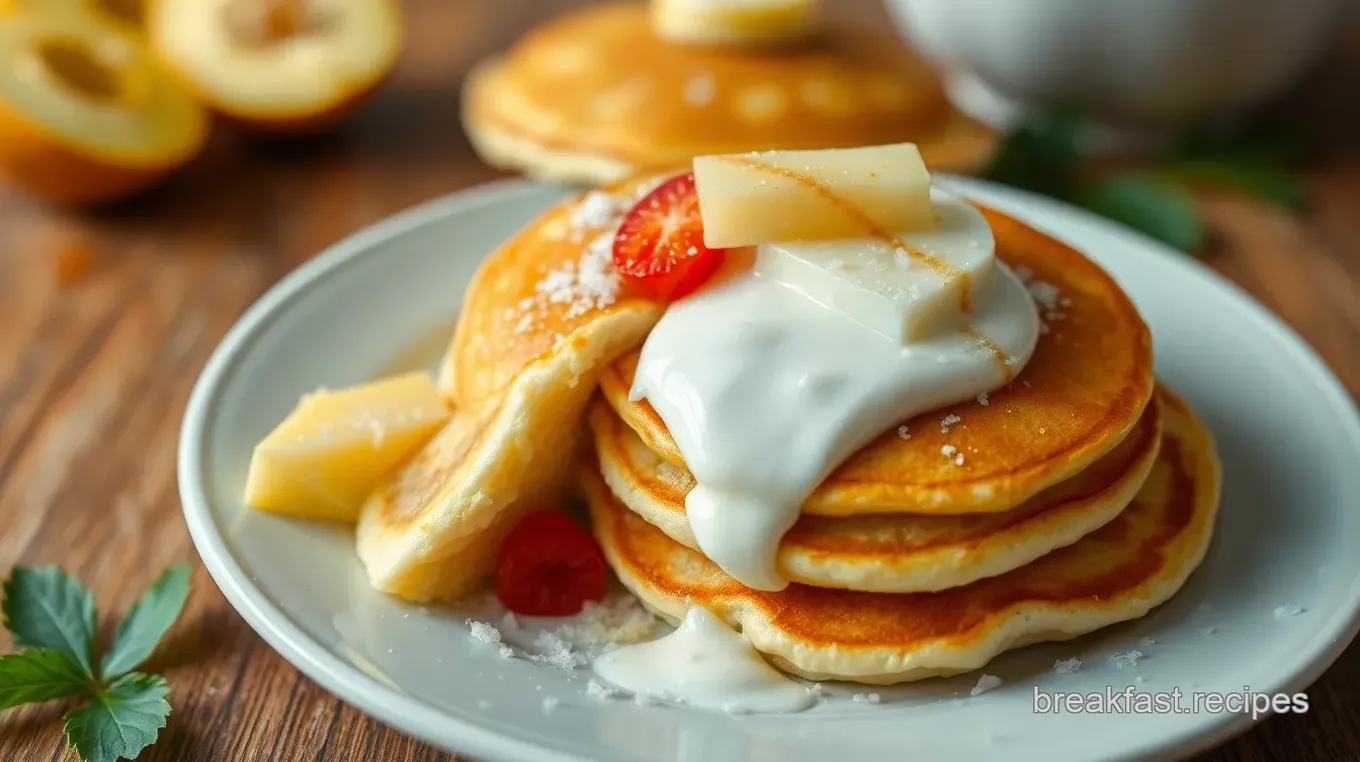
<point x="85" y="114"/>
<point x="280" y="65"/>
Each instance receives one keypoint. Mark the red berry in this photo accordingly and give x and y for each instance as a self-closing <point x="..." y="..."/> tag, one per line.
<point x="550" y="566"/>
<point x="659" y="248"/>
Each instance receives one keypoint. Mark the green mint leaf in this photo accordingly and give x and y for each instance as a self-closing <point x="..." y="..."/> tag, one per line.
<point x="1147" y="206"/>
<point x="1274" y="149"/>
<point x="45" y="608"/>
<point x="1263" y="181"/>
<point x="123" y="719"/>
<point x="148" y="620"/>
<point x="1040" y="153"/>
<point x="37" y="675"/>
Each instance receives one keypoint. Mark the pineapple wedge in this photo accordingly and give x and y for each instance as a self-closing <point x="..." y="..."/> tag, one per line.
<point x="335" y="448"/>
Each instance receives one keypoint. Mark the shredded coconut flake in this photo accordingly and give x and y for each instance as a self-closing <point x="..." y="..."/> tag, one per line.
<point x="984" y="684"/>
<point x="620" y="619"/>
<point x="866" y="698"/>
<point x="903" y="433"/>
<point x="598" y="690"/>
<point x="596" y="210"/>
<point x="1287" y="610"/>
<point x="556" y="653"/>
<point x="1147" y="642"/>
<point x="982" y="399"/>
<point x="1066" y="666"/>
<point x="484" y="632"/>
<point x="1127" y="658"/>
<point x="947" y="421"/>
<point x="948" y="450"/>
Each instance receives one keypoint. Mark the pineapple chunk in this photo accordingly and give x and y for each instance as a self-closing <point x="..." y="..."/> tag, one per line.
<point x="906" y="293"/>
<point x="735" y="22"/>
<point x="782" y="196"/>
<point x="335" y="448"/>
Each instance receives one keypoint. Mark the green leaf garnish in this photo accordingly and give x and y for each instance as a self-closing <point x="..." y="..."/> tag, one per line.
<point x="39" y="674"/>
<point x="45" y="608"/>
<point x="51" y="616"/>
<point x="1041" y="153"/>
<point x="1263" y="181"/>
<point x="1148" y="206"/>
<point x="124" y="718"/>
<point x="146" y="622"/>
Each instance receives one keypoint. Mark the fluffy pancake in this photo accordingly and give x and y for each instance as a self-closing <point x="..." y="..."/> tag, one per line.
<point x="595" y="96"/>
<point x="543" y="315"/>
<point x="896" y="553"/>
<point x="1118" y="572"/>
<point x="1078" y="397"/>
<point x="551" y="281"/>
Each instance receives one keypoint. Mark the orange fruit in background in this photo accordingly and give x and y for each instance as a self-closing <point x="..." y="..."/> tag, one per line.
<point x="284" y="66"/>
<point x="126" y="15"/>
<point x="86" y="115"/>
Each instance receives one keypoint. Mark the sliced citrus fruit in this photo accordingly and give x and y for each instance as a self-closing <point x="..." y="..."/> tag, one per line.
<point x="127" y="15"/>
<point x="86" y="115"/>
<point x="278" y="65"/>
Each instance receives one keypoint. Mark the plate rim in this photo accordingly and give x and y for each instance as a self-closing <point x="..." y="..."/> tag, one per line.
<point x="414" y="717"/>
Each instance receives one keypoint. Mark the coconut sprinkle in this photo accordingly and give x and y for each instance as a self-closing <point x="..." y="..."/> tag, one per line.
<point x="598" y="690"/>
<point x="1126" y="659"/>
<point x="947" y="421"/>
<point x="982" y="399"/>
<point x="903" y="433"/>
<point x="1287" y="610"/>
<point x="866" y="698"/>
<point x="1066" y="666"/>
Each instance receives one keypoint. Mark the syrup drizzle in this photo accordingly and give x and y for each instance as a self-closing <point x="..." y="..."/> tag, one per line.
<point x="990" y="346"/>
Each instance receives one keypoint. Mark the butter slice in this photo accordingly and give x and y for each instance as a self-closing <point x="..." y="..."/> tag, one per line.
<point x="782" y="196"/>
<point x="735" y="22"/>
<point x="884" y="287"/>
<point x="334" y="449"/>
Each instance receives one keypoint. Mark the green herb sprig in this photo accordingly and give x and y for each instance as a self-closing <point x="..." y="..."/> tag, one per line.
<point x="52" y="618"/>
<point x="1043" y="153"/>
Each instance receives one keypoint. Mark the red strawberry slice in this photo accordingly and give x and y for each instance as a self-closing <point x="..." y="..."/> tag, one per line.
<point x="659" y="248"/>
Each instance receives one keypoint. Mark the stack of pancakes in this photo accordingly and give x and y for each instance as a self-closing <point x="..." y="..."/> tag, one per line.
<point x="1079" y="495"/>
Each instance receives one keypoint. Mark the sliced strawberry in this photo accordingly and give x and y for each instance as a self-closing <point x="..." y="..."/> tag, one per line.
<point x="659" y="248"/>
<point x="550" y="566"/>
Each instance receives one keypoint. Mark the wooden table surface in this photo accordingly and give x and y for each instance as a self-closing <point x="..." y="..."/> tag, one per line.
<point x="96" y="364"/>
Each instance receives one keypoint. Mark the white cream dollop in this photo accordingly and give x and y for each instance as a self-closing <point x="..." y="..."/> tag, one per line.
<point x="766" y="392"/>
<point x="706" y="664"/>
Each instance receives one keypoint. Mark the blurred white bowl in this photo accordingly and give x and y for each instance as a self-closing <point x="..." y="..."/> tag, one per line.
<point x="1130" y="63"/>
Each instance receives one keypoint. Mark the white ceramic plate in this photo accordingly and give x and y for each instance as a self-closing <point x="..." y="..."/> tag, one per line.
<point x="1287" y="432"/>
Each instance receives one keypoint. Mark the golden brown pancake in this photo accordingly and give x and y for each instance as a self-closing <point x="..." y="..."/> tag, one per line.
<point x="595" y="96"/>
<point x="541" y="318"/>
<point x="514" y="311"/>
<point x="896" y="553"/>
<point x="1119" y="572"/>
<point x="1076" y="399"/>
